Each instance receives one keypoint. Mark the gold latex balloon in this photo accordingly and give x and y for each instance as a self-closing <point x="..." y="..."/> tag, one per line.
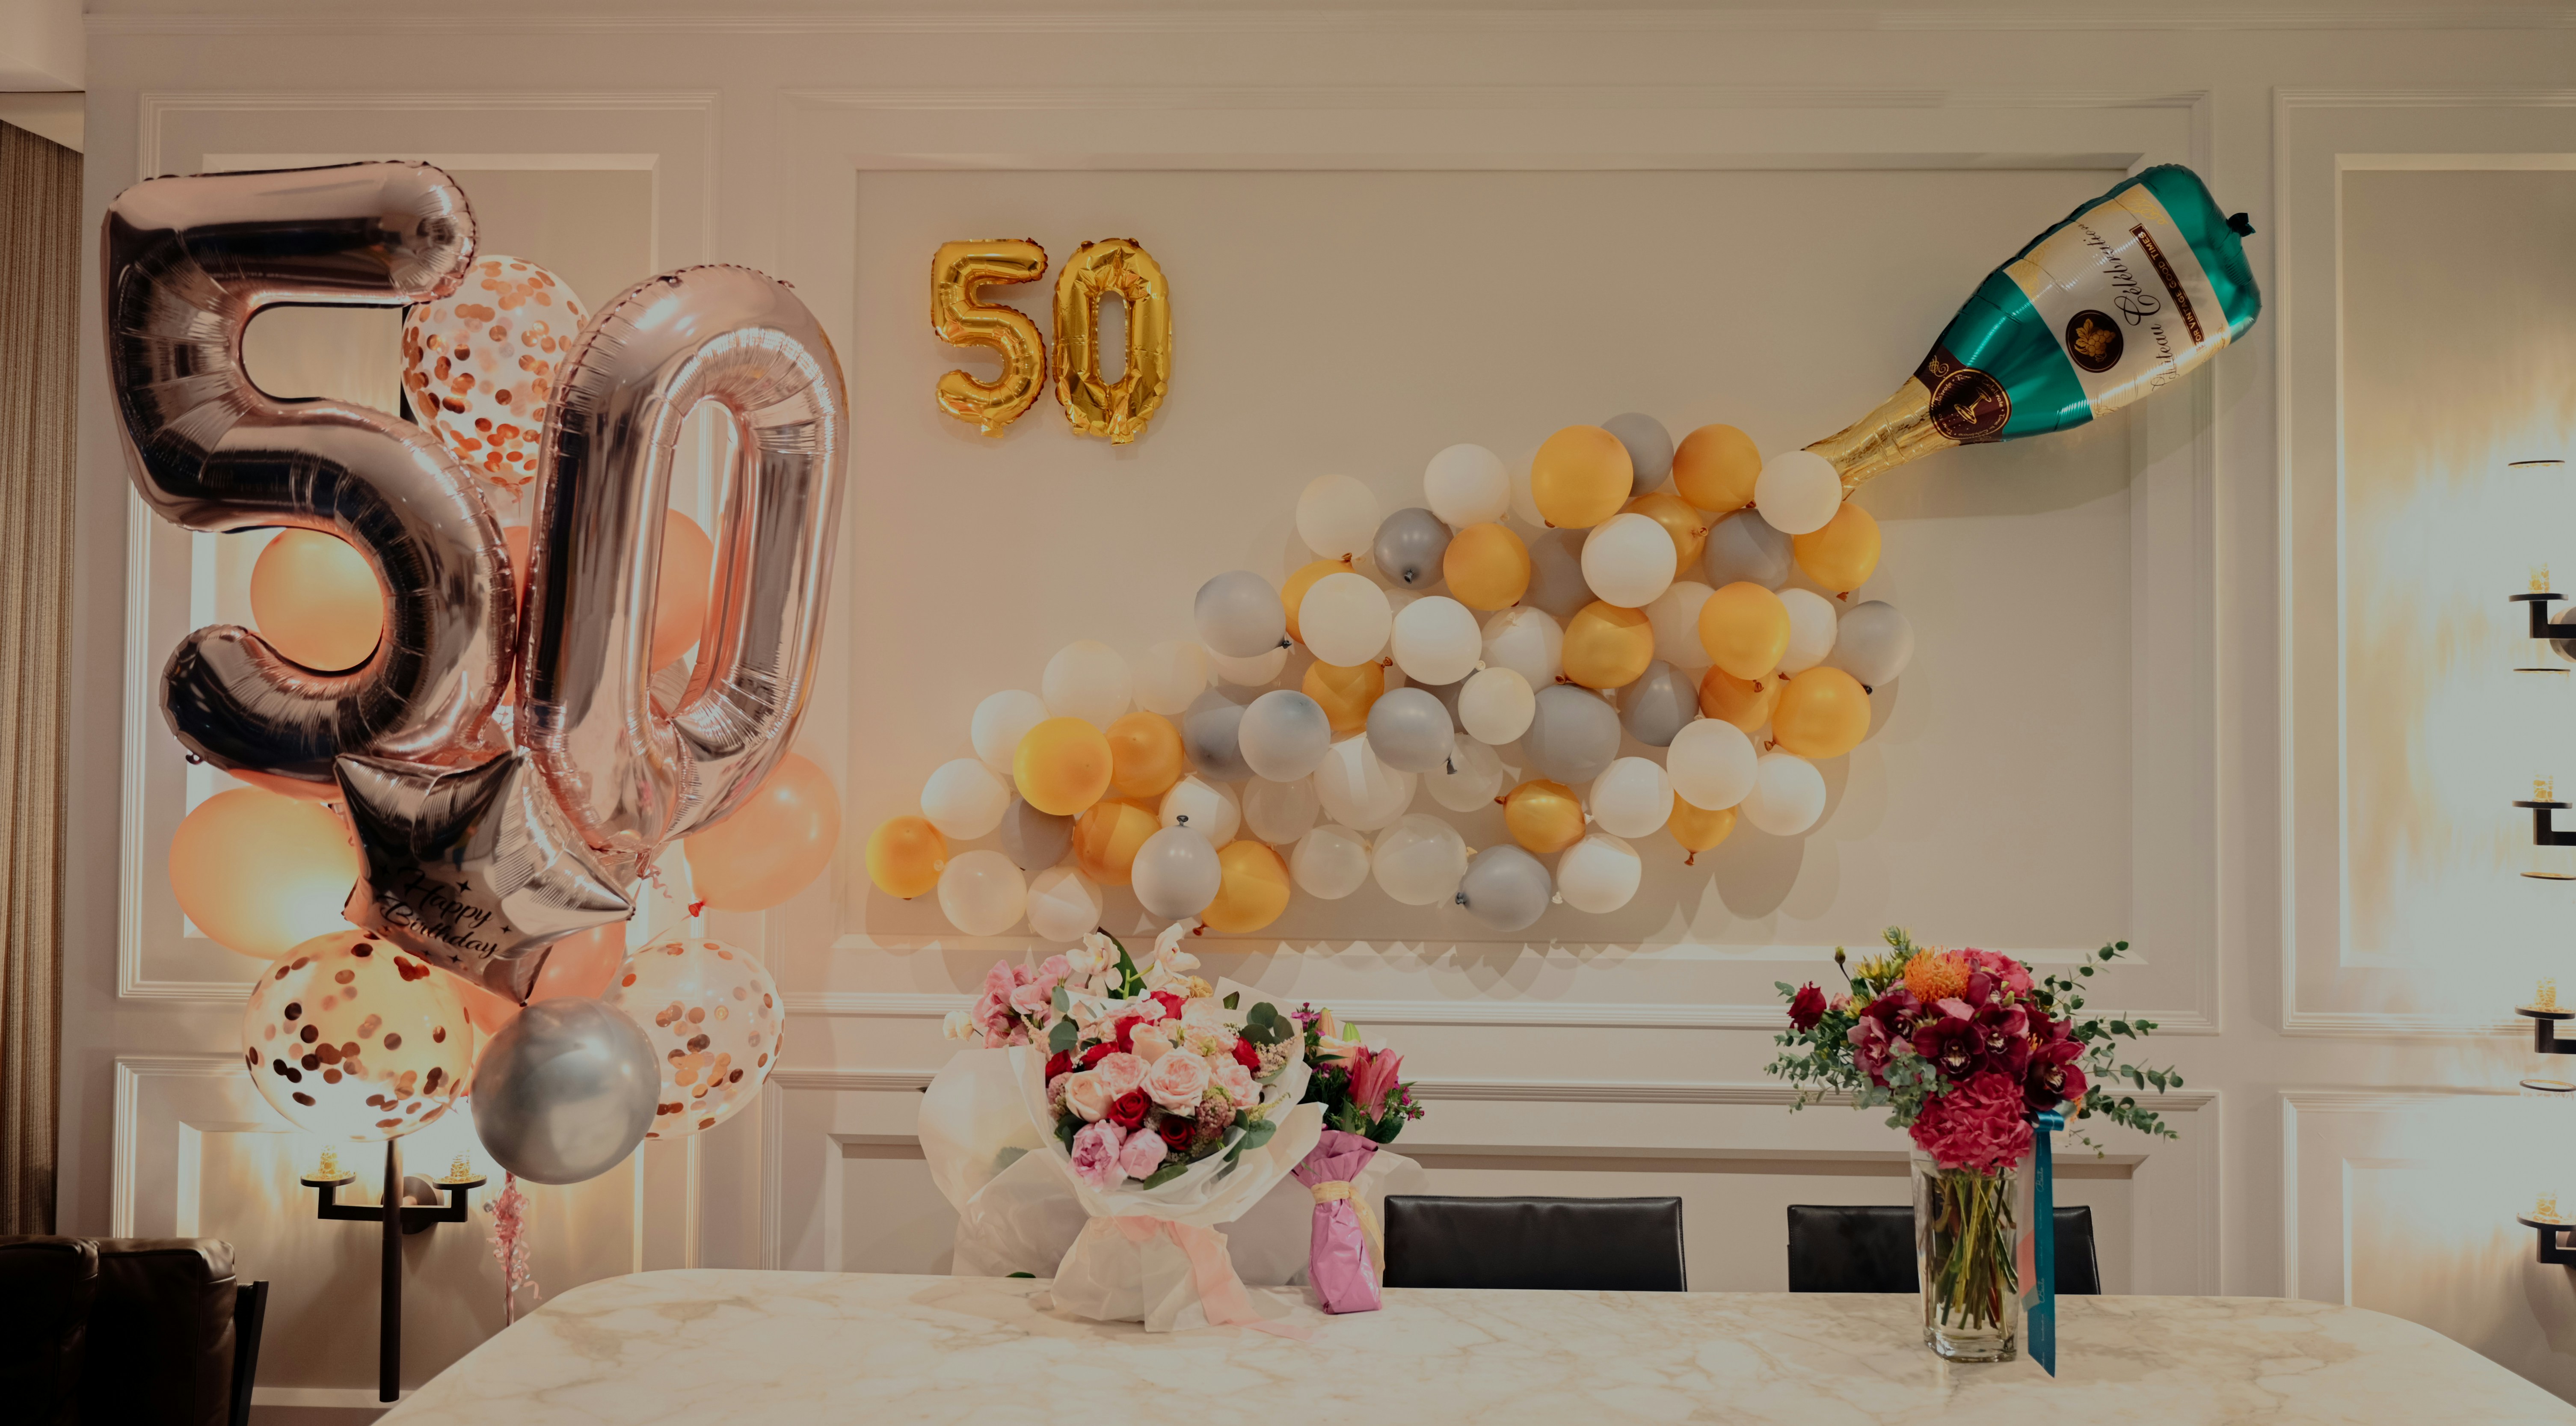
<point x="1580" y="477"/>
<point x="1745" y="629"/>
<point x="1746" y="703"/>
<point x="1543" y="816"/>
<point x="1687" y="526"/>
<point x="906" y="856"/>
<point x="1487" y="567"/>
<point x="1842" y="554"/>
<point x="1697" y="828"/>
<point x="1106" y="839"/>
<point x="1715" y="466"/>
<point x="1346" y="693"/>
<point x="1116" y="267"/>
<point x="956" y="270"/>
<point x="1293" y="592"/>
<point x="1822" y="714"/>
<point x="1252" y="890"/>
<point x="1062" y="766"/>
<point x="1607" y="646"/>
<point x="1144" y="755"/>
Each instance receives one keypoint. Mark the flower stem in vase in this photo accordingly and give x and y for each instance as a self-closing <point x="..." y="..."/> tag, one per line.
<point x="1966" y="1234"/>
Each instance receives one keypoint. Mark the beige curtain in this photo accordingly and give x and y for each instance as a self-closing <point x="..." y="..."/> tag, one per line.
<point x="40" y="196"/>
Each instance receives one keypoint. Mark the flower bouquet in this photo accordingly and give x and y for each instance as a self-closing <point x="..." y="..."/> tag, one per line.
<point x="1969" y="1053"/>
<point x="1166" y="1105"/>
<point x="1365" y="1106"/>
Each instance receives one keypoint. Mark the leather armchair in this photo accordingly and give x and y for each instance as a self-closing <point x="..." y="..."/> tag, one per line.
<point x="46" y="1286"/>
<point x="1610" y="1244"/>
<point x="136" y="1331"/>
<point x="1868" y="1248"/>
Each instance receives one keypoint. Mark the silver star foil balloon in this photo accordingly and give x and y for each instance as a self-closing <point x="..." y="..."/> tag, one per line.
<point x="474" y="870"/>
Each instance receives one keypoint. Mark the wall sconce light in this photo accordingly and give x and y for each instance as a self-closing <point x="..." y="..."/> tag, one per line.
<point x="409" y="1205"/>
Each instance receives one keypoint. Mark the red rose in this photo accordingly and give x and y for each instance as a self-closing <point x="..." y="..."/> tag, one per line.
<point x="1177" y="1132"/>
<point x="1060" y="1062"/>
<point x="1807" y="1007"/>
<point x="1096" y="1054"/>
<point x="1246" y="1056"/>
<point x="1125" y="1026"/>
<point x="1127" y="1111"/>
<point x="1171" y="1003"/>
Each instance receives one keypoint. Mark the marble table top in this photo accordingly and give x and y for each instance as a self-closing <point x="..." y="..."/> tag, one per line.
<point x="790" y="1348"/>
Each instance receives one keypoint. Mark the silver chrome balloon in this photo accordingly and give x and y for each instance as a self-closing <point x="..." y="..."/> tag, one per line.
<point x="185" y="263"/>
<point x="566" y="1091"/>
<point x="632" y="777"/>
<point x="1656" y="707"/>
<point x="1506" y="888"/>
<point x="473" y="870"/>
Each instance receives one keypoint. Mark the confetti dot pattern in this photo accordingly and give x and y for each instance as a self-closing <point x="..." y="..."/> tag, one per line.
<point x="712" y="1014"/>
<point x="354" y="1040"/>
<point x="479" y="369"/>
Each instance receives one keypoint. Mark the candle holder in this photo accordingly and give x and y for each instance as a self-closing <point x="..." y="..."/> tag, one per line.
<point x="398" y="1218"/>
<point x="2540" y="598"/>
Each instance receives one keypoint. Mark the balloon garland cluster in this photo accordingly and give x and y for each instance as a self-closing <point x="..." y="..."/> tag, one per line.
<point x="477" y="769"/>
<point x="1656" y="603"/>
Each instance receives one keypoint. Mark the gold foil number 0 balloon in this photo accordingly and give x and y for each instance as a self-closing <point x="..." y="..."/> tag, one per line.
<point x="1094" y="405"/>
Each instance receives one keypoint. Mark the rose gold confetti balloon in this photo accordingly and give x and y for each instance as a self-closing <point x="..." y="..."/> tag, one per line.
<point x="712" y="1014"/>
<point x="352" y="1039"/>
<point x="479" y="369"/>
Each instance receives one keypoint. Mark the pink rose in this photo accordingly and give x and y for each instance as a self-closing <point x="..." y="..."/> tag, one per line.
<point x="1120" y="1072"/>
<point x="1151" y="1043"/>
<point x="1085" y="1094"/>
<point x="1140" y="1155"/>
<point x="1235" y="1080"/>
<point x="1096" y="1153"/>
<point x="998" y="981"/>
<point x="987" y="1013"/>
<point x="1178" y="1082"/>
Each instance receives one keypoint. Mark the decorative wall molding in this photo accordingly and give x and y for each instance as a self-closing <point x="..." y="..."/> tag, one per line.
<point x="139" y="1075"/>
<point x="2333" y="1199"/>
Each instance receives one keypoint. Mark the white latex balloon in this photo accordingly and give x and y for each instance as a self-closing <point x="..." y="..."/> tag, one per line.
<point x="1207" y="808"/>
<point x="1599" y="873"/>
<point x="1628" y="560"/>
<point x="1171" y="676"/>
<point x="1253" y="672"/>
<point x="1337" y="517"/>
<point x="1357" y="790"/>
<point x="981" y="893"/>
<point x="1798" y="492"/>
<point x="1674" y="616"/>
<point x="1088" y="680"/>
<point x="1330" y="862"/>
<point x="1524" y="499"/>
<point x="1000" y="722"/>
<point x="1345" y="619"/>
<point x="1528" y="643"/>
<point x="964" y="800"/>
<point x="1436" y="640"/>
<point x="1812" y="623"/>
<point x="1280" y="812"/>
<point x="1470" y="780"/>
<point x="1711" y="764"/>
<point x="1495" y="706"/>
<point x="1467" y="485"/>
<point x="1063" y="905"/>
<point x="1419" y="860"/>
<point x="1632" y="798"/>
<point x="1788" y="795"/>
<point x="1176" y="873"/>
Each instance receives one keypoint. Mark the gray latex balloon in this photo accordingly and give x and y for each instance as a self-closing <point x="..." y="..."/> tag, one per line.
<point x="1650" y="447"/>
<point x="1033" y="840"/>
<point x="1239" y="615"/>
<point x="1409" y="546"/>
<point x="1506" y="888"/>
<point x="1284" y="735"/>
<point x="1556" y="574"/>
<point x="1873" y="644"/>
<point x="1744" y="546"/>
<point x="1211" y="733"/>
<point x="1658" y="704"/>
<point x="1572" y="736"/>
<point x="566" y="1091"/>
<point x="1409" y="731"/>
<point x="1176" y="873"/>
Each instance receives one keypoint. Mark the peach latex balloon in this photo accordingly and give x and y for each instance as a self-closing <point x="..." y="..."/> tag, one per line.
<point x="1822" y="714"/>
<point x="1145" y="756"/>
<point x="1842" y="555"/>
<point x="774" y="844"/>
<point x="1746" y="703"/>
<point x="680" y="597"/>
<point x="1543" y="816"/>
<point x="1107" y="836"/>
<point x="905" y="857"/>
<point x="262" y="874"/>
<point x="1745" y="629"/>
<point x="579" y="966"/>
<point x="1607" y="646"/>
<point x="1715" y="466"/>
<point x="1252" y="890"/>
<point x="1345" y="693"/>
<point x="1062" y="766"/>
<point x="1487" y="567"/>
<point x="316" y="601"/>
<point x="1580" y="477"/>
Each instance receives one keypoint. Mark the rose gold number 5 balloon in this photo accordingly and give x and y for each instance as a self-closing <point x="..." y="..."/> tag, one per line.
<point x="186" y="263"/>
<point x="630" y="774"/>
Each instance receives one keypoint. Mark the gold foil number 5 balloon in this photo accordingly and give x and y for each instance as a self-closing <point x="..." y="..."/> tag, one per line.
<point x="1095" y="406"/>
<point x="955" y="273"/>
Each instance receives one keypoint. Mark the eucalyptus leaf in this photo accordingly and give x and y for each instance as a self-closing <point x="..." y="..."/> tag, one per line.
<point x="1171" y="1169"/>
<point x="1061" y="1036"/>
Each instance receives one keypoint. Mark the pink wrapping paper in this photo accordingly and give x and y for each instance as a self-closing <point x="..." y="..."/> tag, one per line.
<point x="1338" y="1262"/>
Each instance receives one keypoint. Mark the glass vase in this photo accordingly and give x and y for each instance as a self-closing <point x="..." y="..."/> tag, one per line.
<point x="1967" y="1235"/>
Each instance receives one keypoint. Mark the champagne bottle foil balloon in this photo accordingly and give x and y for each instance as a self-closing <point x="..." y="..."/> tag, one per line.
<point x="185" y="264"/>
<point x="2117" y="302"/>
<point x="630" y="776"/>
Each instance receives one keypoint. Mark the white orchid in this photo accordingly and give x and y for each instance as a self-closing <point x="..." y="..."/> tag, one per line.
<point x="1168" y="954"/>
<point x="1095" y="954"/>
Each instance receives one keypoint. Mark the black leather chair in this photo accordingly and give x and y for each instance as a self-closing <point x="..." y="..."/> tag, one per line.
<point x="1871" y="1249"/>
<point x="150" y="1331"/>
<point x="1610" y="1244"/>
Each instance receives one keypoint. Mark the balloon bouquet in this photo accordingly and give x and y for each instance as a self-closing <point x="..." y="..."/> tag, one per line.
<point x="1644" y="601"/>
<point x="465" y="743"/>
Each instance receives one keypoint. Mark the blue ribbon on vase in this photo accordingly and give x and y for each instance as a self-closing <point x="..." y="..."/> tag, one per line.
<point x="2040" y="1300"/>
